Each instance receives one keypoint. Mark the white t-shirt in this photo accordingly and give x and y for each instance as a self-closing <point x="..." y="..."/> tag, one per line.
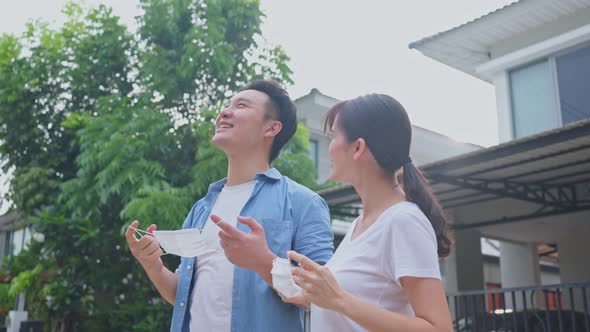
<point x="400" y="243"/>
<point x="212" y="293"/>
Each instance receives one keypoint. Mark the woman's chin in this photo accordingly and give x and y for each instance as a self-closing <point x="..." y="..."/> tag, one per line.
<point x="334" y="177"/>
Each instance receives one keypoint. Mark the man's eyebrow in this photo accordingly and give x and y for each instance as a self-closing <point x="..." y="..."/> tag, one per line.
<point x="240" y="99"/>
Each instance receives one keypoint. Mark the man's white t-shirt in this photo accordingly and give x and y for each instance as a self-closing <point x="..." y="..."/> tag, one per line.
<point x="211" y="303"/>
<point x="400" y="243"/>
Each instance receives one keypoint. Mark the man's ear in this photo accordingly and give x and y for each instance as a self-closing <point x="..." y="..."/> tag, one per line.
<point x="273" y="128"/>
<point x="359" y="146"/>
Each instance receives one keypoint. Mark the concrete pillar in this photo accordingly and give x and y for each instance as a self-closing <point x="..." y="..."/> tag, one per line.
<point x="573" y="258"/>
<point x="463" y="270"/>
<point x="574" y="266"/>
<point x="519" y="267"/>
<point x="464" y="266"/>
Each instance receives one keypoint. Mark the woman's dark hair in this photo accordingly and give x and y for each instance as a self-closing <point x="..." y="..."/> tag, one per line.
<point x="384" y="125"/>
<point x="279" y="107"/>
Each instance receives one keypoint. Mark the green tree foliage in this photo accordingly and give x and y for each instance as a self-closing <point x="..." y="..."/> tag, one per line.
<point x="102" y="126"/>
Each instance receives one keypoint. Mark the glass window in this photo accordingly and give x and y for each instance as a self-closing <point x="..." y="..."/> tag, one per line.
<point x="313" y="152"/>
<point x="534" y="105"/>
<point x="573" y="79"/>
<point x="5" y="244"/>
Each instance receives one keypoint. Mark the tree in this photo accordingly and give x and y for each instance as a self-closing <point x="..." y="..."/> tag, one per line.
<point x="102" y="126"/>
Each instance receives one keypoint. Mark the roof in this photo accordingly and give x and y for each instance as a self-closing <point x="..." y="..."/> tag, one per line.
<point x="552" y="159"/>
<point x="316" y="92"/>
<point x="540" y="171"/>
<point x="469" y="45"/>
<point x="328" y="101"/>
<point x="8" y="222"/>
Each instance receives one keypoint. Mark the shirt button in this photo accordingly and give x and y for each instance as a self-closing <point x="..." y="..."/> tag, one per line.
<point x="182" y="304"/>
<point x="188" y="267"/>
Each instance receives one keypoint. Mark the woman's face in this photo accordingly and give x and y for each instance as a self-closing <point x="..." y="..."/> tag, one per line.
<point x="341" y="152"/>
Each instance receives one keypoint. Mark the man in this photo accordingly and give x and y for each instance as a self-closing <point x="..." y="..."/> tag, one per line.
<point x="210" y="293"/>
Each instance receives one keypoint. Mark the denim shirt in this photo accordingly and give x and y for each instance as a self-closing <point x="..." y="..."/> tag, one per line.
<point x="293" y="218"/>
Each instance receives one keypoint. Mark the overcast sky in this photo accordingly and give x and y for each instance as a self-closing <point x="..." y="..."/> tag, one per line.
<point x="348" y="48"/>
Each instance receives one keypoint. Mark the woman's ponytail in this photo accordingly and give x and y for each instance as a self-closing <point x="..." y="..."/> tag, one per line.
<point x="418" y="191"/>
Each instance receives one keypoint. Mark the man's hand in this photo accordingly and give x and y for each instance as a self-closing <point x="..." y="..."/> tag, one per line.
<point x="247" y="250"/>
<point x="145" y="249"/>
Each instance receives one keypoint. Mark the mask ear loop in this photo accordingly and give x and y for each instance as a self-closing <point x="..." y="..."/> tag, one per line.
<point x="141" y="233"/>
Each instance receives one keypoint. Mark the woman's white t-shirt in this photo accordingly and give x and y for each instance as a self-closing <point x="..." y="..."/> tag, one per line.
<point x="400" y="243"/>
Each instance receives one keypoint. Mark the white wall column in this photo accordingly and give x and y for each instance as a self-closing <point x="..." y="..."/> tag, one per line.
<point x="519" y="264"/>
<point x="519" y="267"/>
<point x="504" y="106"/>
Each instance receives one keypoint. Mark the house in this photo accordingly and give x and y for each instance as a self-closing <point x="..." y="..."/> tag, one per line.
<point x="530" y="193"/>
<point x="312" y="108"/>
<point x="536" y="53"/>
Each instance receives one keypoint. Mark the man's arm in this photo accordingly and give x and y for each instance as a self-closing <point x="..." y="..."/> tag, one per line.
<point x="314" y="237"/>
<point x="147" y="252"/>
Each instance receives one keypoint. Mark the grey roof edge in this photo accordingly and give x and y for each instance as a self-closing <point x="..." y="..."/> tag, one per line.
<point x="315" y="91"/>
<point x="418" y="43"/>
<point x="580" y="126"/>
<point x="583" y="125"/>
<point x="448" y="138"/>
<point x="7" y="221"/>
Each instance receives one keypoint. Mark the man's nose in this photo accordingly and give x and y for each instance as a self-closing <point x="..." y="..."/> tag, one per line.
<point x="226" y="113"/>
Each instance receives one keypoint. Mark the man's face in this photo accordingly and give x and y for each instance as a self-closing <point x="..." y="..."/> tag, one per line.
<point x="241" y="125"/>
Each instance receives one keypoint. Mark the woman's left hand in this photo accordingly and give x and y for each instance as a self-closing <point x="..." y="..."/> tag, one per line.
<point x="318" y="284"/>
<point x="299" y="300"/>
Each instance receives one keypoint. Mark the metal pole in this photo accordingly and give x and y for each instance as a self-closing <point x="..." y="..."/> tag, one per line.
<point x="307" y="321"/>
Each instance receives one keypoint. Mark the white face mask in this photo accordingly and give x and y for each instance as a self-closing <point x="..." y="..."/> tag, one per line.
<point x="282" y="279"/>
<point x="182" y="242"/>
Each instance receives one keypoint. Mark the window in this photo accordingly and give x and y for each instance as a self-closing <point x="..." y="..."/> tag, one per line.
<point x="533" y="99"/>
<point x="573" y="79"/>
<point x="313" y="152"/>
<point x="551" y="93"/>
<point x="5" y="244"/>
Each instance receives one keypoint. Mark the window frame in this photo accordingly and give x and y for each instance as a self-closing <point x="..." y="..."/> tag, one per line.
<point x="552" y="62"/>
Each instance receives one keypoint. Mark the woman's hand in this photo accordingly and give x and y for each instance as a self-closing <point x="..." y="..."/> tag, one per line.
<point x="300" y="301"/>
<point x="318" y="284"/>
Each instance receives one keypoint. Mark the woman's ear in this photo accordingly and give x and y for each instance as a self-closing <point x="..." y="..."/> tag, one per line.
<point x="273" y="129"/>
<point x="359" y="146"/>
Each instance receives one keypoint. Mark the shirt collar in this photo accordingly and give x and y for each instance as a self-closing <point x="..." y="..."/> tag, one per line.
<point x="272" y="174"/>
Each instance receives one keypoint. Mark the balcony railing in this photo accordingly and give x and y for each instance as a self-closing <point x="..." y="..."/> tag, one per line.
<point x="549" y="308"/>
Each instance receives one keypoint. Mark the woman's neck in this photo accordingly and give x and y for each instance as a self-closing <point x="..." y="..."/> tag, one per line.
<point x="378" y="193"/>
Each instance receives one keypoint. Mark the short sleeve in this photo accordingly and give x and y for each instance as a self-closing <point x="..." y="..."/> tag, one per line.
<point x="314" y="237"/>
<point x="413" y="247"/>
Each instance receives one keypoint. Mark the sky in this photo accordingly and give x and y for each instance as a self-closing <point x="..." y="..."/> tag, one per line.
<point x="347" y="48"/>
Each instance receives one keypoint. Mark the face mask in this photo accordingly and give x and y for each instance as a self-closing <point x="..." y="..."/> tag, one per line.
<point x="182" y="242"/>
<point x="282" y="279"/>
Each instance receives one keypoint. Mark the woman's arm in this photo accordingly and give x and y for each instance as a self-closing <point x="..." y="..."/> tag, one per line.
<point x="425" y="294"/>
<point x="427" y="298"/>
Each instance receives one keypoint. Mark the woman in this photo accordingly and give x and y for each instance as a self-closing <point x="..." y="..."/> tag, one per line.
<point x="385" y="274"/>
